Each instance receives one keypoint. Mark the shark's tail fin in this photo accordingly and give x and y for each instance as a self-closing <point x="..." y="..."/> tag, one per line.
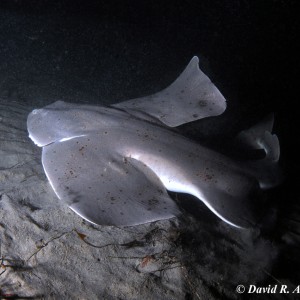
<point x="266" y="170"/>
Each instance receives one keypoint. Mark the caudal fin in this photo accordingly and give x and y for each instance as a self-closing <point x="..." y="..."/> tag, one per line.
<point x="260" y="136"/>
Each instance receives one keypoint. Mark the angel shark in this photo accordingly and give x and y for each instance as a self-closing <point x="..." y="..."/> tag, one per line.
<point x="114" y="165"/>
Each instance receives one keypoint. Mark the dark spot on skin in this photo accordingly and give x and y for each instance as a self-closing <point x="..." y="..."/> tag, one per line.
<point x="90" y="187"/>
<point x="195" y="116"/>
<point x="55" y="170"/>
<point x="121" y="213"/>
<point x="152" y="201"/>
<point x="71" y="172"/>
<point x="182" y="91"/>
<point x="105" y="132"/>
<point x="112" y="198"/>
<point x="103" y="210"/>
<point x="202" y="103"/>
<point x="81" y="148"/>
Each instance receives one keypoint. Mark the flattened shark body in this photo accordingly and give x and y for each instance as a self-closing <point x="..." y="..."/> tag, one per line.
<point x="114" y="165"/>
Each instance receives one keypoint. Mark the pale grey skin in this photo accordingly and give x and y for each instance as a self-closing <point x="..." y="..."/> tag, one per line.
<point x="114" y="165"/>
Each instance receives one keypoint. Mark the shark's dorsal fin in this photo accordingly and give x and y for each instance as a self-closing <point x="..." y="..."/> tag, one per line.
<point x="192" y="96"/>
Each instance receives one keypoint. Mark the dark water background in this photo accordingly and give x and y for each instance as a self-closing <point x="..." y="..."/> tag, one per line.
<point x="107" y="51"/>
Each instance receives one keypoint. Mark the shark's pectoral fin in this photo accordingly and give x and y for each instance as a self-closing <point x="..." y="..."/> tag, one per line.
<point x="105" y="189"/>
<point x="192" y="96"/>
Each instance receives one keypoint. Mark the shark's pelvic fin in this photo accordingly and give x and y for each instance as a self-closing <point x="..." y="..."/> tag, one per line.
<point x="260" y="136"/>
